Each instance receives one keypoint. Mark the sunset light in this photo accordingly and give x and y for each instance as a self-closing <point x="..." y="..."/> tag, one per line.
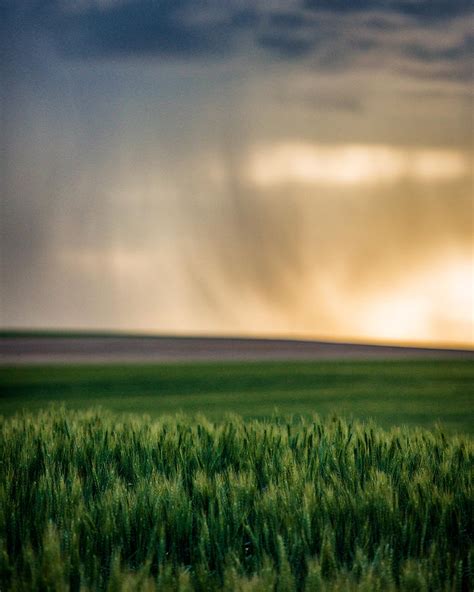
<point x="236" y="296"/>
<point x="434" y="305"/>
<point x="286" y="169"/>
<point x="292" y="162"/>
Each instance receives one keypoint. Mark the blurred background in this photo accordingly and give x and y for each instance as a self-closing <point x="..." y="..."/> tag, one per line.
<point x="289" y="167"/>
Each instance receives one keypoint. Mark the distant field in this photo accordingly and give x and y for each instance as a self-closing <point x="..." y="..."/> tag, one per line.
<point x="114" y="348"/>
<point x="414" y="393"/>
<point x="108" y="501"/>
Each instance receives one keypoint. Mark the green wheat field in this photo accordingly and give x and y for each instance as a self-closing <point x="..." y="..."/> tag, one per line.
<point x="347" y="476"/>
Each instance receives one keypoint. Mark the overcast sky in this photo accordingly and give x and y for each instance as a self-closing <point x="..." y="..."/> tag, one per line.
<point x="277" y="167"/>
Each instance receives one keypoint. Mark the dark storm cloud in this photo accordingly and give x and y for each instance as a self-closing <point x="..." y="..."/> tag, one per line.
<point x="337" y="35"/>
<point x="344" y="5"/>
<point x="82" y="141"/>
<point x="425" y="9"/>
<point x="450" y="63"/>
<point x="453" y="53"/>
<point x="131" y="28"/>
<point x="288" y="46"/>
<point x="186" y="29"/>
<point x="147" y="28"/>
<point x="433" y="9"/>
<point x="288" y="20"/>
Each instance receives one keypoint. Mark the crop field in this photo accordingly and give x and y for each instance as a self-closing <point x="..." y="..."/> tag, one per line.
<point x="92" y="502"/>
<point x="393" y="393"/>
<point x="232" y="482"/>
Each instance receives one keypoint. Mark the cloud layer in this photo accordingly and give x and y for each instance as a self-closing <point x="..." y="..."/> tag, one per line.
<point x="284" y="166"/>
<point x="334" y="32"/>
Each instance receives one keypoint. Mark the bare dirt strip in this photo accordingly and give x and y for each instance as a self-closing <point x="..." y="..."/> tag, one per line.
<point x="144" y="349"/>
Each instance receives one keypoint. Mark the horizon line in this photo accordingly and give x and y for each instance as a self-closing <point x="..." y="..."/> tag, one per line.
<point x="13" y="332"/>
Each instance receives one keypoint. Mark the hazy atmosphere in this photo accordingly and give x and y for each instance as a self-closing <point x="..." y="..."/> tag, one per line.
<point x="293" y="168"/>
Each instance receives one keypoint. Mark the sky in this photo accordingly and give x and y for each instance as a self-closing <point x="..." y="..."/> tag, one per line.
<point x="297" y="168"/>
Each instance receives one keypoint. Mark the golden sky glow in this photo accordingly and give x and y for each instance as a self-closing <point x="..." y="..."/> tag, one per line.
<point x="297" y="162"/>
<point x="444" y="291"/>
<point x="267" y="168"/>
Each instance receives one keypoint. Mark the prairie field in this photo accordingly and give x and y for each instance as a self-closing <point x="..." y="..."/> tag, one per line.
<point x="327" y="476"/>
<point x="93" y="502"/>
<point x="391" y="392"/>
